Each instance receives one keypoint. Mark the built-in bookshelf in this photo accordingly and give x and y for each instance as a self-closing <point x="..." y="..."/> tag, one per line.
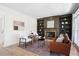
<point x="40" y="27"/>
<point x="63" y="22"/>
<point x="66" y="24"/>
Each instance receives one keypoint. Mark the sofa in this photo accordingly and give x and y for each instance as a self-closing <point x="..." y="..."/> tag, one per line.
<point x="60" y="47"/>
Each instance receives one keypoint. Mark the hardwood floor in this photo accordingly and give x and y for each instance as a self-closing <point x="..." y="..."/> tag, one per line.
<point x="17" y="51"/>
<point x="73" y="51"/>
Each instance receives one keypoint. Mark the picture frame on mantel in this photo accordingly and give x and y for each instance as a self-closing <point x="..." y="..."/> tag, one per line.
<point x="18" y="25"/>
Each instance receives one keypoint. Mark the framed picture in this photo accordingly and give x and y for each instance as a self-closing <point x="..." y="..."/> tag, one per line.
<point x="15" y="27"/>
<point x="50" y="24"/>
<point x="18" y="25"/>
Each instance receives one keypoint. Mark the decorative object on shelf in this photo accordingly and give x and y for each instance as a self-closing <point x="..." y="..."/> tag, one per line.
<point x="40" y="29"/>
<point x="66" y="22"/>
<point x="65" y="19"/>
<point x="40" y="24"/>
<point x="62" y="22"/>
<point x="62" y="26"/>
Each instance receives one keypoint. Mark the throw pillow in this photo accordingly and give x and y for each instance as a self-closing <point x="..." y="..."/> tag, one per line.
<point x="60" y="38"/>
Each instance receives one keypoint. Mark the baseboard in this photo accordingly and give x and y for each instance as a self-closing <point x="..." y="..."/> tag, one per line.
<point x="6" y="45"/>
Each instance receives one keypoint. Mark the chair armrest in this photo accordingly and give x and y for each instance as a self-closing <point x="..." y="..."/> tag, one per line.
<point x="59" y="45"/>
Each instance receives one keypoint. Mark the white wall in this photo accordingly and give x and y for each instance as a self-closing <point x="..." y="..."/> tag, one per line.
<point x="1" y="30"/>
<point x="75" y="28"/>
<point x="11" y="36"/>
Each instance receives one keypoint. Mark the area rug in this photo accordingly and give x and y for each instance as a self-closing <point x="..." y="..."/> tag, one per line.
<point x="41" y="50"/>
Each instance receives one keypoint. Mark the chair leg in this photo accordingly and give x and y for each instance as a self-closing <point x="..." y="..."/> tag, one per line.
<point x="19" y="42"/>
<point x="25" y="45"/>
<point x="44" y="43"/>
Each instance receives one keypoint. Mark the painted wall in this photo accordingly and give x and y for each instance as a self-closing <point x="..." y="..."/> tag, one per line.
<point x="75" y="28"/>
<point x="11" y="36"/>
<point x="1" y="30"/>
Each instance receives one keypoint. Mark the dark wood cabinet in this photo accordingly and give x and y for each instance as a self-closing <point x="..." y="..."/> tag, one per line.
<point x="40" y="27"/>
<point x="66" y="24"/>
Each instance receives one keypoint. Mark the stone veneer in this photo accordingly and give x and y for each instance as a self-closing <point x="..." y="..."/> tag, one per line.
<point x="56" y="25"/>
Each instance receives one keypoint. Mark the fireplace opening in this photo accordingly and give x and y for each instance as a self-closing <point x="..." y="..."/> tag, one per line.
<point x="50" y="34"/>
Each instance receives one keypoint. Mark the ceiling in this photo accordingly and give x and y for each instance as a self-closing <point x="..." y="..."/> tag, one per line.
<point x="39" y="10"/>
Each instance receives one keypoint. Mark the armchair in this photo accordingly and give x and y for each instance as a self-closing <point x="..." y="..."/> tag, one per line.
<point x="60" y="47"/>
